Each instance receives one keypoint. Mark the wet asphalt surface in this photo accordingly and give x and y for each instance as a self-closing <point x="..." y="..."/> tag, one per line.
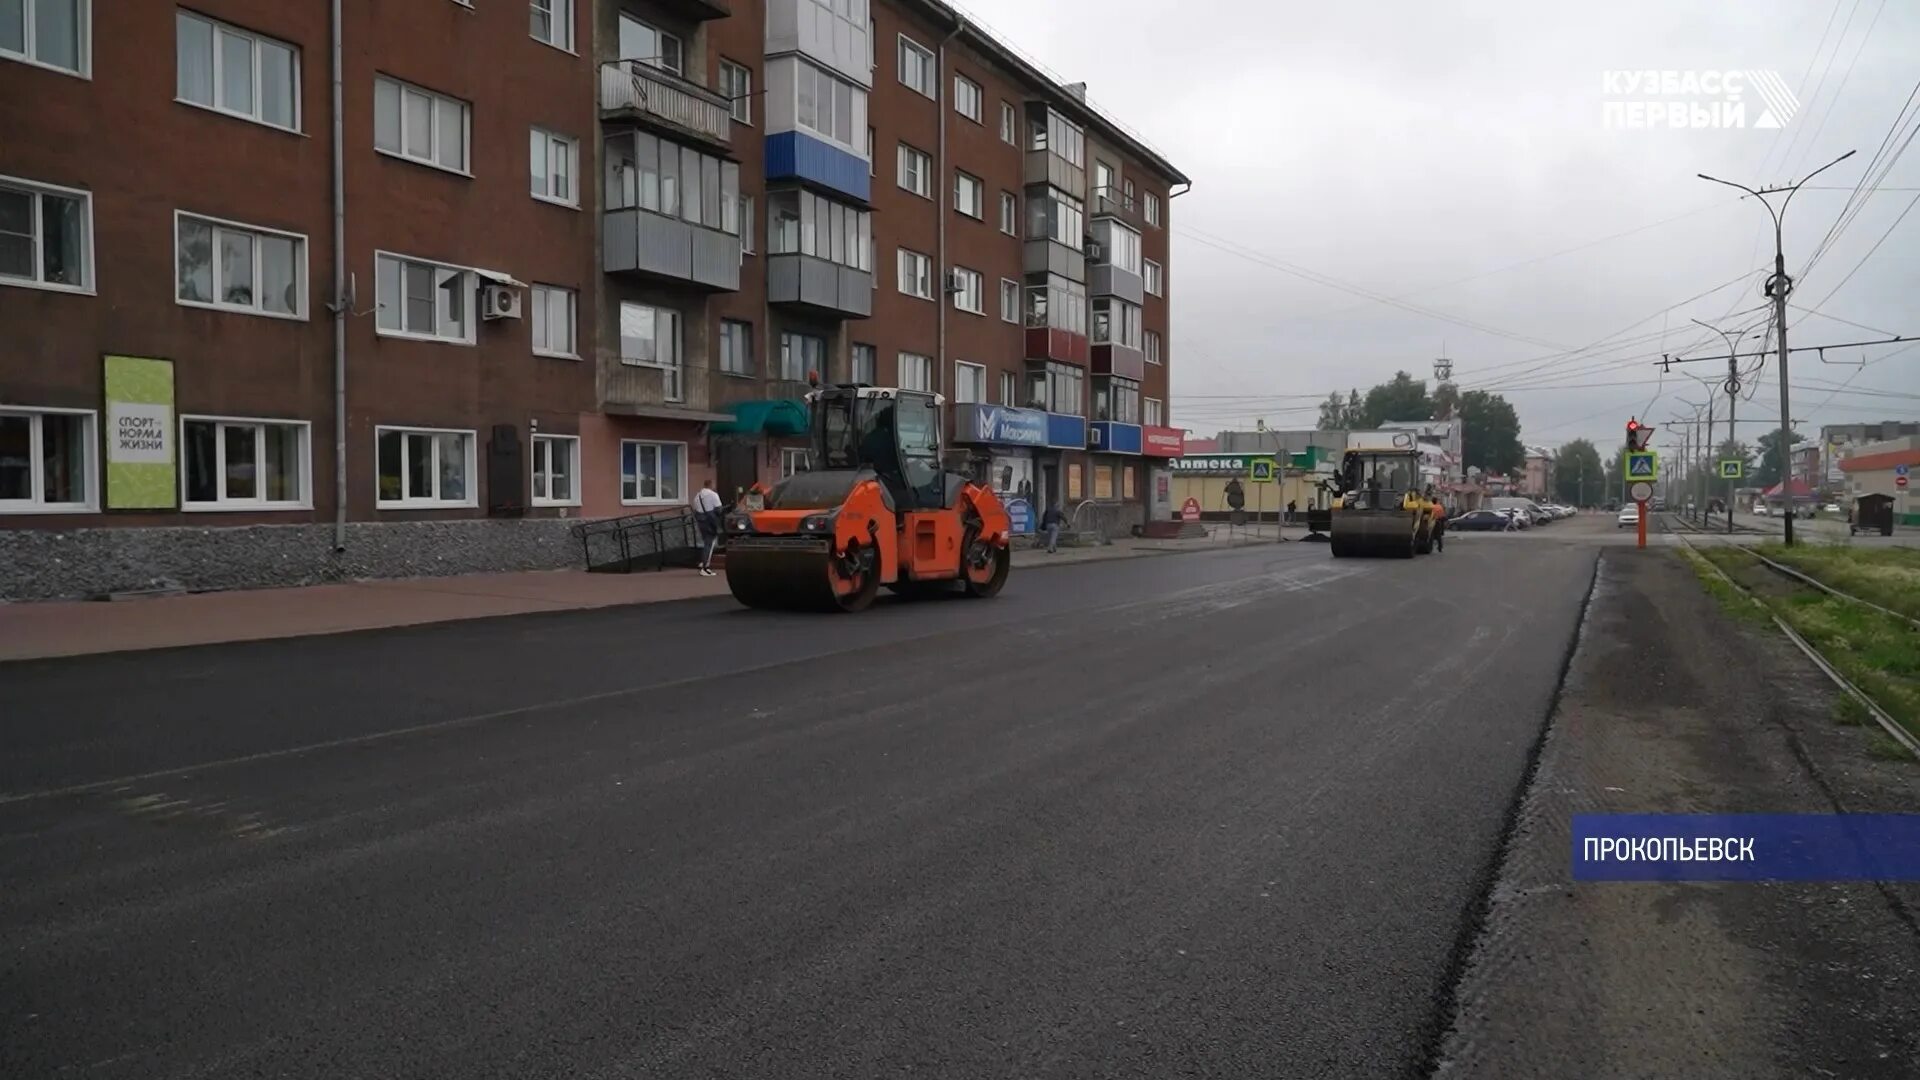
<point x="1221" y="814"/>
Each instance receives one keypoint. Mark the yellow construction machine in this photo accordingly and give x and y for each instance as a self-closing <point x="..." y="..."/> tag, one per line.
<point x="1383" y="508"/>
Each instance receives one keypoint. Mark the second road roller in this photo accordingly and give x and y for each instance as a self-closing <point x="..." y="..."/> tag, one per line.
<point x="1383" y="508"/>
<point x="877" y="508"/>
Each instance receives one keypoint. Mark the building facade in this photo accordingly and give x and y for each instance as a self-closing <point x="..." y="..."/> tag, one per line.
<point x="547" y="261"/>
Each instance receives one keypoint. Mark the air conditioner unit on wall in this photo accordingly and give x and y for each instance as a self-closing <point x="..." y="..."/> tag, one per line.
<point x="955" y="282"/>
<point x="1095" y="253"/>
<point x="499" y="302"/>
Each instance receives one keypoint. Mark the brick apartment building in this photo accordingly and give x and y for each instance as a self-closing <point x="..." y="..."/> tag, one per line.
<point x="550" y="259"/>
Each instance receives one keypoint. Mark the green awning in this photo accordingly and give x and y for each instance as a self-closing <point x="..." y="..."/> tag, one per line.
<point x="780" y="416"/>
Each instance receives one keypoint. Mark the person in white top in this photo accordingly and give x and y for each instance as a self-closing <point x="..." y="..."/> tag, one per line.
<point x="706" y="515"/>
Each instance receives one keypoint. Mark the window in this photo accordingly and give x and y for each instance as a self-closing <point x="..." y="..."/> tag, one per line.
<point x="46" y="461"/>
<point x="1055" y="388"/>
<point x="826" y="104"/>
<point x="1153" y="346"/>
<point x="1153" y="208"/>
<point x="243" y="464"/>
<point x="916" y="170"/>
<point x="1117" y="400"/>
<point x="1154" y="414"/>
<point x="1116" y="322"/>
<point x="749" y="225"/>
<point x="1009" y="213"/>
<point x="228" y="69"/>
<point x="1009" y="124"/>
<point x="553" y="23"/>
<point x="803" y="223"/>
<point x="800" y="356"/>
<point x="423" y="299"/>
<point x="1062" y="137"/>
<point x="1102" y="180"/>
<point x="916" y="66"/>
<point x="969" y="292"/>
<point x="916" y="274"/>
<point x="969" y="383"/>
<point x="861" y="365"/>
<point x="1126" y="189"/>
<point x="969" y="195"/>
<point x="650" y="337"/>
<point x="238" y="267"/>
<point x="1009" y="388"/>
<point x="736" y="85"/>
<point x="916" y="372"/>
<point x="46" y="236"/>
<point x="556" y="470"/>
<point x="1156" y="279"/>
<point x="424" y="467"/>
<point x="793" y="460"/>
<point x="51" y="33"/>
<point x="1058" y="304"/>
<point x="1009" y="300"/>
<point x="662" y="177"/>
<point x="420" y="125"/>
<point x="651" y="472"/>
<point x="651" y="46"/>
<point x="1103" y="481"/>
<point x="553" y="161"/>
<point x="554" y="321"/>
<point x="1119" y="245"/>
<point x="1054" y="215"/>
<point x="736" y="347"/>
<point x="966" y="98"/>
<point x="870" y="165"/>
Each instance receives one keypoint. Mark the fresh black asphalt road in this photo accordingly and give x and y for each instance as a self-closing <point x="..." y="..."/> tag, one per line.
<point x="1224" y="814"/>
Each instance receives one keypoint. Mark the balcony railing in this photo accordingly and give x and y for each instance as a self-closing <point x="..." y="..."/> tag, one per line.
<point x="633" y="87"/>
<point x="682" y="386"/>
<point x="1115" y="202"/>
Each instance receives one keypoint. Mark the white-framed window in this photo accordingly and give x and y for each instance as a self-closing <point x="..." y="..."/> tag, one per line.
<point x="1126" y="188"/>
<point x="650" y="337"/>
<point x="652" y="472"/>
<point x="1009" y="388"/>
<point x="1152" y="339"/>
<point x="422" y="468"/>
<point x="916" y="66"/>
<point x="553" y="23"/>
<point x="969" y="383"/>
<point x="969" y="194"/>
<point x="47" y="461"/>
<point x="417" y="124"/>
<point x="861" y="364"/>
<point x="46" y="236"/>
<point x="235" y="267"/>
<point x="1116" y="322"/>
<point x="824" y="103"/>
<point x="1009" y="300"/>
<point x="553" y="162"/>
<point x="1009" y="213"/>
<point x="736" y="347"/>
<point x="662" y="177"/>
<point x="916" y="371"/>
<point x="1156" y="278"/>
<point x="420" y="299"/>
<point x="801" y="355"/>
<point x="794" y="460"/>
<point x="916" y="171"/>
<point x="229" y="70"/>
<point x="1155" y="412"/>
<point x="1153" y="208"/>
<point x="749" y="227"/>
<point x="966" y="97"/>
<point x="556" y="470"/>
<point x="236" y="463"/>
<point x="54" y="34"/>
<point x="555" y="321"/>
<point x="1120" y="245"/>
<point x="736" y="85"/>
<point x="916" y="274"/>
<point x="1009" y="124"/>
<point x="651" y="45"/>
<point x="969" y="293"/>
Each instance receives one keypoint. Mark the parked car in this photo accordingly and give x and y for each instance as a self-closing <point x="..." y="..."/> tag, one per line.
<point x="1760" y="510"/>
<point x="1830" y="508"/>
<point x="1479" y="521"/>
<point x="1629" y="515"/>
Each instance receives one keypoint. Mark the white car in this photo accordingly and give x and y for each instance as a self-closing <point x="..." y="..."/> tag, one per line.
<point x="1629" y="515"/>
<point x="1760" y="510"/>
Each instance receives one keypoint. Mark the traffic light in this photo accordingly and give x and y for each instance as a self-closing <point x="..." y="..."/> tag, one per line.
<point x="1638" y="434"/>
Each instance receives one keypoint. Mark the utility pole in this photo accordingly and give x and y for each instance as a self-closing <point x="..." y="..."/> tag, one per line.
<point x="1733" y="404"/>
<point x="1778" y="286"/>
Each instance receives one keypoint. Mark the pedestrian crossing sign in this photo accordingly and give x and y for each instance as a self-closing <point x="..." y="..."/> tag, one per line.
<point x="1643" y="465"/>
<point x="1732" y="469"/>
<point x="1260" y="470"/>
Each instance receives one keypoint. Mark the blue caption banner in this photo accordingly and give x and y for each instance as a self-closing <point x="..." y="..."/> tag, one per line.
<point x="1746" y="847"/>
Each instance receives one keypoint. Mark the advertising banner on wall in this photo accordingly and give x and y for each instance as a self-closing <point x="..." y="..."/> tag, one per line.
<point x="140" y="434"/>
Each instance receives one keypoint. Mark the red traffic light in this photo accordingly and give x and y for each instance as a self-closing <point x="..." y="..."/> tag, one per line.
<point x="1633" y="425"/>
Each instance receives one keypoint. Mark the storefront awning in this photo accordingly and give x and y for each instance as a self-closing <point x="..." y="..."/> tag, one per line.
<point x="780" y="416"/>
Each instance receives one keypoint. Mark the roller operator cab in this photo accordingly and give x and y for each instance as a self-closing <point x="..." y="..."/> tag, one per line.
<point x="1383" y="507"/>
<point x="876" y="509"/>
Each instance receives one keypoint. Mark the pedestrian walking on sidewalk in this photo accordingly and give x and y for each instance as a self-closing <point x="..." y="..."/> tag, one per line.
<point x="706" y="517"/>
<point x="1050" y="523"/>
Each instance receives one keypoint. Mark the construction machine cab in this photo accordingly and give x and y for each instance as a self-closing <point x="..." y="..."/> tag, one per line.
<point x="895" y="433"/>
<point x="1377" y="480"/>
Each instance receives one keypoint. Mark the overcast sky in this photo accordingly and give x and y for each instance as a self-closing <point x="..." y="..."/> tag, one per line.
<point x="1402" y="146"/>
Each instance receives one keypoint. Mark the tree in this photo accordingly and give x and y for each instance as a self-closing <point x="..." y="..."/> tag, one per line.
<point x="1354" y="412"/>
<point x="1333" y="412"/>
<point x="1617" y="476"/>
<point x="1766" y="471"/>
<point x="1446" y="400"/>
<point x="1579" y="479"/>
<point x="1402" y="397"/>
<point x="1490" y="433"/>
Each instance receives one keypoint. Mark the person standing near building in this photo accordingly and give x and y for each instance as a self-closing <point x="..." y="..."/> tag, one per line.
<point x="1050" y="523"/>
<point x="706" y="517"/>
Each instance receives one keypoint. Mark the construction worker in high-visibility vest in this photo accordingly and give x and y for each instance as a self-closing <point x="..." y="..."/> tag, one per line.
<point x="1439" y="523"/>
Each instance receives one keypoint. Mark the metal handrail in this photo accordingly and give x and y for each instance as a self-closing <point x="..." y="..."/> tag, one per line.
<point x="654" y="523"/>
<point x="635" y="84"/>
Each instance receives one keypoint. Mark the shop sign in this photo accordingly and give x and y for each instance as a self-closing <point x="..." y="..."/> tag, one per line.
<point x="1000" y="424"/>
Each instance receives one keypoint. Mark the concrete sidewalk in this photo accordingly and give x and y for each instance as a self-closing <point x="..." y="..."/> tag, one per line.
<point x="35" y="630"/>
